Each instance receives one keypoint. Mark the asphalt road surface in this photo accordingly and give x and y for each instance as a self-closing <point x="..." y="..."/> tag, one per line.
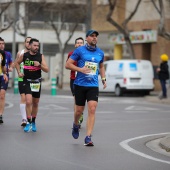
<point x="123" y="127"/>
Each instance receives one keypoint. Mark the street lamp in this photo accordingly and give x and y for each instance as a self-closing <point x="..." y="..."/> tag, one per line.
<point x="14" y="37"/>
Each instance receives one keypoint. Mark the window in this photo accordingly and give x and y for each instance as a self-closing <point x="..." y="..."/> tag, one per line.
<point x="4" y="20"/>
<point x="102" y="2"/>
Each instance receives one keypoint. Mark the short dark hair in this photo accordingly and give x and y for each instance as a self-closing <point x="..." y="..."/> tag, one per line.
<point x="33" y="40"/>
<point x="1" y="39"/>
<point x="26" y="38"/>
<point x="79" y="38"/>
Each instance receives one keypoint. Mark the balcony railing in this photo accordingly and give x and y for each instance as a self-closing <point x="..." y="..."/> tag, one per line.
<point x="66" y="26"/>
<point x="50" y="1"/>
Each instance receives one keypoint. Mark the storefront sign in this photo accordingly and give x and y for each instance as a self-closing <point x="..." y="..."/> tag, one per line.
<point x="135" y="37"/>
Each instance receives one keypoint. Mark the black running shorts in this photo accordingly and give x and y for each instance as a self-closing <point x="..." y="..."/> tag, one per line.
<point x="83" y="94"/>
<point x="3" y="84"/>
<point x="20" y="87"/>
<point x="27" y="89"/>
<point x="72" y="86"/>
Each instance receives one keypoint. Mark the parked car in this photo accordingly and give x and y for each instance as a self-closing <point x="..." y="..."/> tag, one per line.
<point x="128" y="75"/>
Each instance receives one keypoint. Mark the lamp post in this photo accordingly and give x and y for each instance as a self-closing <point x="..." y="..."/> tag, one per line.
<point x="88" y="17"/>
<point x="14" y="37"/>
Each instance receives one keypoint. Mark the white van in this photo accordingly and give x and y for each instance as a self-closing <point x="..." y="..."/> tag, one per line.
<point x="128" y="75"/>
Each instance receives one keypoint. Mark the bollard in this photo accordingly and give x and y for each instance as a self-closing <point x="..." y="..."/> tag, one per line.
<point x="16" y="86"/>
<point x="53" y="87"/>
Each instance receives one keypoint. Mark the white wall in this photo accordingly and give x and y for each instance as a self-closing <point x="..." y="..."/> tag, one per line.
<point x="146" y="10"/>
<point x="44" y="36"/>
<point x="55" y="63"/>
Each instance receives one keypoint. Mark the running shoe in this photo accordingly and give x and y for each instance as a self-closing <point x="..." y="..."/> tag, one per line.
<point x="75" y="131"/>
<point x="81" y="119"/>
<point x="1" y="119"/>
<point x="28" y="127"/>
<point x="24" y="122"/>
<point x="34" y="128"/>
<point x="87" y="141"/>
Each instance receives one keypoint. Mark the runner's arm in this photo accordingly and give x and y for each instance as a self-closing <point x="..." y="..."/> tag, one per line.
<point x="44" y="66"/>
<point x="102" y="74"/>
<point x="5" y="74"/>
<point x="71" y="66"/>
<point x="18" y="61"/>
<point x="11" y="66"/>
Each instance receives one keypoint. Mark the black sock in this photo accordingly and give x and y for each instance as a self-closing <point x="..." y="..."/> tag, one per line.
<point x="29" y="120"/>
<point x="33" y="119"/>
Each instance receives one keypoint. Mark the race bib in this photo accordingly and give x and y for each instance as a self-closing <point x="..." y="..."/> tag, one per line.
<point x="35" y="87"/>
<point x="92" y="66"/>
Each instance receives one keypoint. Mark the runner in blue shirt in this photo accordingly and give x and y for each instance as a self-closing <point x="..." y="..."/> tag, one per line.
<point x="89" y="63"/>
<point x="4" y="85"/>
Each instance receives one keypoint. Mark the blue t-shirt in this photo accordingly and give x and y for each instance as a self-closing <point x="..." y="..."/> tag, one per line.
<point x="8" y="60"/>
<point x="90" y="57"/>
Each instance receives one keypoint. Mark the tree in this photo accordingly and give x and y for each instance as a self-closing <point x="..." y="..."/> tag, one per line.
<point x="30" y="10"/>
<point x="161" y="27"/>
<point x="58" y="18"/>
<point x="122" y="28"/>
<point x="7" y="19"/>
<point x="57" y="13"/>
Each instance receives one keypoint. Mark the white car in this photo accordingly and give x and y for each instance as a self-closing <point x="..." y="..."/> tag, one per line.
<point x="128" y="75"/>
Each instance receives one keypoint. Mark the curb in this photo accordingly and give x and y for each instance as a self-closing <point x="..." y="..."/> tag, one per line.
<point x="155" y="99"/>
<point x="165" y="143"/>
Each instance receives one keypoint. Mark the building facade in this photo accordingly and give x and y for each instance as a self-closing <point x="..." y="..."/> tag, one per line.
<point x="33" y="19"/>
<point x="39" y="19"/>
<point x="143" y="29"/>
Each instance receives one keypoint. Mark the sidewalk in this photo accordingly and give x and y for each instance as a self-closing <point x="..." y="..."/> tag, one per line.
<point x="154" y="97"/>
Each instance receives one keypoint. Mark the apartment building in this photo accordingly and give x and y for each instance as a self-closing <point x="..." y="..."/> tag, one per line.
<point x="34" y="18"/>
<point x="143" y="29"/>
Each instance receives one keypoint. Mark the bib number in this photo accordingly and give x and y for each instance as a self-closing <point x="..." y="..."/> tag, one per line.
<point x="92" y="66"/>
<point x="35" y="87"/>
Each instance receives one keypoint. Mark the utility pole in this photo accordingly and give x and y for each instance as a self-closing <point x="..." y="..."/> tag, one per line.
<point x="88" y="18"/>
<point x="14" y="37"/>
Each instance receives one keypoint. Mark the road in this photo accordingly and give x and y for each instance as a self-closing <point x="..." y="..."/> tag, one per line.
<point x="124" y="125"/>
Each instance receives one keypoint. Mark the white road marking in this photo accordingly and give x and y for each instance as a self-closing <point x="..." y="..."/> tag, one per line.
<point x="53" y="106"/>
<point x="124" y="144"/>
<point x="9" y="105"/>
<point x="140" y="108"/>
<point x="65" y="112"/>
<point x="136" y="111"/>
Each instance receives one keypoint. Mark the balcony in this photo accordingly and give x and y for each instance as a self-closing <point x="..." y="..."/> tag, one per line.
<point x="50" y="1"/>
<point x="66" y="26"/>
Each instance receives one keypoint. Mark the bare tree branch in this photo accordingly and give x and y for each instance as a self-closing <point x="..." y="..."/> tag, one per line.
<point x="70" y="35"/>
<point x="156" y="7"/>
<point x="124" y="24"/>
<point x="161" y="27"/>
<point x="28" y="16"/>
<point x="75" y="13"/>
<point x="4" y="7"/>
<point x="122" y="29"/>
<point x="9" y="25"/>
<point x="112" y="6"/>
